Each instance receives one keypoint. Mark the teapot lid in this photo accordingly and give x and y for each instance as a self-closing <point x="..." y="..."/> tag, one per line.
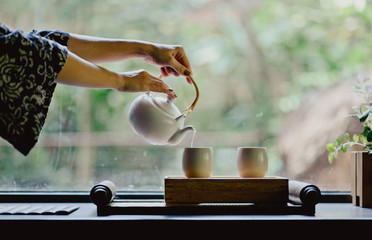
<point x="166" y="105"/>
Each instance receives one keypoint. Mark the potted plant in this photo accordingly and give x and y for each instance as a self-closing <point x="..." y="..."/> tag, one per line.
<point x="361" y="162"/>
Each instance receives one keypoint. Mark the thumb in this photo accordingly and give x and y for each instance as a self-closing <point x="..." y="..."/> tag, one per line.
<point x="181" y="69"/>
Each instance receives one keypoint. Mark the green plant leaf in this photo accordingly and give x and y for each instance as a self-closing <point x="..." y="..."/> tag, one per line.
<point x="339" y="142"/>
<point x="343" y="149"/>
<point x="330" y="157"/>
<point x="346" y="137"/>
<point x="365" y="115"/>
<point x="355" y="138"/>
<point x="365" y="131"/>
<point x="369" y="136"/>
<point x="363" y="139"/>
<point x="331" y="147"/>
<point x="335" y="154"/>
<point x="369" y="146"/>
<point x="364" y="108"/>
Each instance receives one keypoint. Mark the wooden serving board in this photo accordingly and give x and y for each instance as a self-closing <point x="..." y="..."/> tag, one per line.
<point x="189" y="191"/>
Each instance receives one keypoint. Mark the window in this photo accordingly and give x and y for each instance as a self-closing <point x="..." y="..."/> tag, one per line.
<point x="262" y="67"/>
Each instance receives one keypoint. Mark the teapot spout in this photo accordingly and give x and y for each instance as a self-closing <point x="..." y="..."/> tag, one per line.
<point x="179" y="135"/>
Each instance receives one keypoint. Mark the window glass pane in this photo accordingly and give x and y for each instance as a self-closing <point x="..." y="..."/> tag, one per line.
<point x="271" y="73"/>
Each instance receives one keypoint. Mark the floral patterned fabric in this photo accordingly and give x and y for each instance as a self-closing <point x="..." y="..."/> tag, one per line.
<point x="29" y="65"/>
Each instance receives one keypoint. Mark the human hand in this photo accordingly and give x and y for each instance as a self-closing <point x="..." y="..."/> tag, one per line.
<point x="171" y="58"/>
<point x="142" y="81"/>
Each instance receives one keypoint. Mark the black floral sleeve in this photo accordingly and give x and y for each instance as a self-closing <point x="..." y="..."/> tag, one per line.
<point x="29" y="64"/>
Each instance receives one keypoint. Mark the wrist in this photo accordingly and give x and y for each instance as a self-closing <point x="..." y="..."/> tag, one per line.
<point x="143" y="49"/>
<point x="119" y="81"/>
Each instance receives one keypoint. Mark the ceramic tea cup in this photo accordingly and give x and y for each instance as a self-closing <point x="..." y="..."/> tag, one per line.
<point x="252" y="162"/>
<point x="197" y="162"/>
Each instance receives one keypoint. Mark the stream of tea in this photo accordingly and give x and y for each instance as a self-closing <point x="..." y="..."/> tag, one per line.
<point x="192" y="139"/>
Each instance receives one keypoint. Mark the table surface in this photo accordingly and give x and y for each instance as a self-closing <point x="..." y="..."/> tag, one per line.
<point x="333" y="219"/>
<point x="88" y="211"/>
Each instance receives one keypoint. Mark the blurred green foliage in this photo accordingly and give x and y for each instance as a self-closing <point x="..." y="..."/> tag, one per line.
<point x="254" y="62"/>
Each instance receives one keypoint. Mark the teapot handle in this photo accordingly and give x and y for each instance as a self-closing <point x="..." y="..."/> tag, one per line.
<point x="188" y="110"/>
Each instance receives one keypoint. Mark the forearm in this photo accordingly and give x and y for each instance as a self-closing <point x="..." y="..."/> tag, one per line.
<point x="99" y="50"/>
<point x="79" y="72"/>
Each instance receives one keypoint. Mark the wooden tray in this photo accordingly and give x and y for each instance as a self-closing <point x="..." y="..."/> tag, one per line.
<point x="189" y="191"/>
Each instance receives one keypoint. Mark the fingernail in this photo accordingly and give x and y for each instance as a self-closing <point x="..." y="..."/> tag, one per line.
<point x="186" y="72"/>
<point x="172" y="96"/>
<point x="188" y="80"/>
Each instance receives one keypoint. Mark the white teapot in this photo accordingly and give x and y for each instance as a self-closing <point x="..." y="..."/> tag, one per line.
<point x="157" y="120"/>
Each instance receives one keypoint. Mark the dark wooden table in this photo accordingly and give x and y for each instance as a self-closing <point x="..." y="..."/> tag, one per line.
<point x="336" y="219"/>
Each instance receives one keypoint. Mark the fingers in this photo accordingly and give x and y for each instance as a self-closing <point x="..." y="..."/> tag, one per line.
<point x="178" y="64"/>
<point x="158" y="85"/>
<point x="155" y="84"/>
<point x="181" y="58"/>
<point x="142" y="81"/>
<point x="166" y="71"/>
<point x="189" y="80"/>
<point x="177" y="69"/>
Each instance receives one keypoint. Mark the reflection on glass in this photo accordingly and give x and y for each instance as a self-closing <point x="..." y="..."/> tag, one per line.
<point x="257" y="64"/>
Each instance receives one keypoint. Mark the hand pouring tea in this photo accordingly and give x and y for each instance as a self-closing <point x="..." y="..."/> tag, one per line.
<point x="157" y="120"/>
